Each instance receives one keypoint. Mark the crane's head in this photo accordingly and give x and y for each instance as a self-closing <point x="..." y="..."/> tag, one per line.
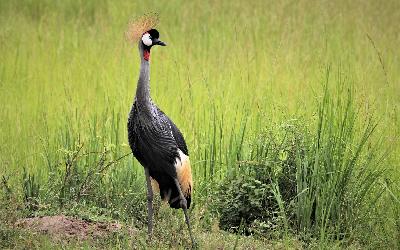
<point x="149" y="39"/>
<point x="142" y="29"/>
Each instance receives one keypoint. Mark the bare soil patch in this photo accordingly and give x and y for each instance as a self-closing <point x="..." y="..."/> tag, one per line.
<point x="61" y="227"/>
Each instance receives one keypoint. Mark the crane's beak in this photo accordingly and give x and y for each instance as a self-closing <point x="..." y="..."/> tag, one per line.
<point x="159" y="42"/>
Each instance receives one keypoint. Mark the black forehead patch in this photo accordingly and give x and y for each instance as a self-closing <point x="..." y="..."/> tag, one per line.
<point x="154" y="33"/>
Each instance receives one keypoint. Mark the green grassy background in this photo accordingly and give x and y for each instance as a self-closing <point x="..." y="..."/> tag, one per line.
<point x="231" y="70"/>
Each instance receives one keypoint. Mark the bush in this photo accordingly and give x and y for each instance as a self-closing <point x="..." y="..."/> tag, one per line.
<point x="256" y="195"/>
<point x="319" y="183"/>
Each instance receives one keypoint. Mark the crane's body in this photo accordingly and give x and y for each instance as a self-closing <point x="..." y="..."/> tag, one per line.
<point x="159" y="146"/>
<point x="157" y="143"/>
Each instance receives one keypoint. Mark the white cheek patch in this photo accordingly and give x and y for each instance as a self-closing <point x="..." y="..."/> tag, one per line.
<point x="146" y="39"/>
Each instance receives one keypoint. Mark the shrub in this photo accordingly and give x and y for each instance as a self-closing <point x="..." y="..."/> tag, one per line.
<point x="257" y="194"/>
<point x="319" y="183"/>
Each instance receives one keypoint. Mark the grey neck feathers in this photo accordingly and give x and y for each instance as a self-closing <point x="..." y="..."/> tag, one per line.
<point x="143" y="85"/>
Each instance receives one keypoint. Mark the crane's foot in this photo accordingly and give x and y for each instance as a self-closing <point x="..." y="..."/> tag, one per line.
<point x="149" y="239"/>
<point x="194" y="245"/>
<point x="150" y="230"/>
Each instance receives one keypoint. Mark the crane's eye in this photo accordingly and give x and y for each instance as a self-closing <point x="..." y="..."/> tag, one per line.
<point x="146" y="39"/>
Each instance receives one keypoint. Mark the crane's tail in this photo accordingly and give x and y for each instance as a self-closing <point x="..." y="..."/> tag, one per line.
<point x="184" y="173"/>
<point x="166" y="185"/>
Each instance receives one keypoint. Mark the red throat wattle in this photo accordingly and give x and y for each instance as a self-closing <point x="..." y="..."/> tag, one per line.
<point x="146" y="55"/>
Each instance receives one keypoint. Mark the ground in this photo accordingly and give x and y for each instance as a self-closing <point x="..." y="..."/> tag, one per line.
<point x="68" y="232"/>
<point x="61" y="227"/>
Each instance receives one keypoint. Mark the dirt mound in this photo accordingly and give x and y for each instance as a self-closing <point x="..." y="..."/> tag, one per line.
<point x="62" y="227"/>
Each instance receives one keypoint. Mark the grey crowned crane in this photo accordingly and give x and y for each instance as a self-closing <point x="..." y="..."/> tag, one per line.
<point x="157" y="143"/>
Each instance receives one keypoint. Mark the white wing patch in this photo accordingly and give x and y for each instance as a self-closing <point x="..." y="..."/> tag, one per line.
<point x="183" y="158"/>
<point x="146" y="39"/>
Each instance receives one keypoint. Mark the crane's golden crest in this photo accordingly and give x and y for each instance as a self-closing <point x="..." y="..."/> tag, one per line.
<point x="140" y="25"/>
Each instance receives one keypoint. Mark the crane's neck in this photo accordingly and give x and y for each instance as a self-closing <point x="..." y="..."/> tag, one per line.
<point x="143" y="86"/>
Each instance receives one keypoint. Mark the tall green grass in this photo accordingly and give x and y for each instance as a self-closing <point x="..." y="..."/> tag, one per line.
<point x="317" y="181"/>
<point x="339" y="174"/>
<point x="230" y="72"/>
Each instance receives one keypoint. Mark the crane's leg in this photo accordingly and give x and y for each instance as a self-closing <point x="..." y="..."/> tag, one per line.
<point x="149" y="204"/>
<point x="184" y="207"/>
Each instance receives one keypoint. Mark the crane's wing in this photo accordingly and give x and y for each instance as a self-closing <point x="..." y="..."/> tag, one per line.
<point x="153" y="142"/>
<point x="180" y="141"/>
